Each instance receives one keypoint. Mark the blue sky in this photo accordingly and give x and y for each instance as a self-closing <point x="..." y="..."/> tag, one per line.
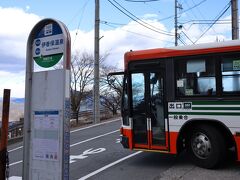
<point x="120" y="33"/>
<point x="75" y="11"/>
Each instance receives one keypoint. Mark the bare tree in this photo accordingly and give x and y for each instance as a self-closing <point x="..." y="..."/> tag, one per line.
<point x="111" y="89"/>
<point x="82" y="67"/>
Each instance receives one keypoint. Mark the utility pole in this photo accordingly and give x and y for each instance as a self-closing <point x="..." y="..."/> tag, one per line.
<point x="96" y="95"/>
<point x="176" y="23"/>
<point x="177" y="6"/>
<point x="235" y="25"/>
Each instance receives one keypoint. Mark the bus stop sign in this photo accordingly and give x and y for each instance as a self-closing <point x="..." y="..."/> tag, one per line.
<point x="48" y="45"/>
<point x="47" y="103"/>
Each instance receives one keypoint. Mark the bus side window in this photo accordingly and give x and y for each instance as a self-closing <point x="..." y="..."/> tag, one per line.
<point x="195" y="77"/>
<point x="230" y="68"/>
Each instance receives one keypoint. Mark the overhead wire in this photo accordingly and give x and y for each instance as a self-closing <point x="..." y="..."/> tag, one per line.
<point x="192" y="13"/>
<point x="206" y="20"/>
<point x="187" y="37"/>
<point x="138" y="20"/>
<point x="141" y="19"/>
<point x="196" y="5"/>
<point x="80" y="20"/>
<point x="111" y="24"/>
<point x="214" y="22"/>
<point x="180" y="39"/>
<point x="201" y="14"/>
<point x="152" y="7"/>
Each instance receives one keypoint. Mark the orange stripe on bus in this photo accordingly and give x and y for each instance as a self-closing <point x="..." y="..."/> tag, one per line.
<point x="171" y="138"/>
<point x="173" y="142"/>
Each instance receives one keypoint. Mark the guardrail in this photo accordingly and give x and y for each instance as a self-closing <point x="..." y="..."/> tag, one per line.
<point x="87" y="116"/>
<point x="15" y="131"/>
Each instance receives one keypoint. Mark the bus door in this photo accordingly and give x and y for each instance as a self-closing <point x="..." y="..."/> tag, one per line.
<point x="148" y="109"/>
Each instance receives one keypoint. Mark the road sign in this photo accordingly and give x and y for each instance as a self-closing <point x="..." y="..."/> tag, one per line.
<point x="47" y="103"/>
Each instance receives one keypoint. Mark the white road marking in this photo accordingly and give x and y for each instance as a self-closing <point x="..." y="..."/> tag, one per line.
<point x="93" y="138"/>
<point x="107" y="122"/>
<point x="97" y="171"/>
<point x="76" y="130"/>
<point x="15" y="178"/>
<point x="20" y="147"/>
<point x="85" y="154"/>
<point x="109" y="165"/>
<point x="18" y="162"/>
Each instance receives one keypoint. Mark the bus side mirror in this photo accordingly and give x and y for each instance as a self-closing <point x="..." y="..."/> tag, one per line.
<point x="111" y="79"/>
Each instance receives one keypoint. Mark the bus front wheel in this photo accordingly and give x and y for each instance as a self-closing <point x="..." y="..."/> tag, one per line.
<point x="206" y="146"/>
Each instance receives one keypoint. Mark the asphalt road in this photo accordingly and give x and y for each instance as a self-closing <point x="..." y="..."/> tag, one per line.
<point x="97" y="154"/>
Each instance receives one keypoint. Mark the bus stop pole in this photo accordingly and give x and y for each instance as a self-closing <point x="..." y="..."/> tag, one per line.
<point x="4" y="133"/>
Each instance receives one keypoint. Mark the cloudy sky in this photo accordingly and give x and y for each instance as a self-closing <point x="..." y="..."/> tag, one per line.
<point x="151" y="25"/>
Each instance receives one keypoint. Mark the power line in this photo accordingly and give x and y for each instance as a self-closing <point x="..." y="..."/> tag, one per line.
<point x="139" y="34"/>
<point x="78" y="12"/>
<point x="153" y="7"/>
<point x="187" y="37"/>
<point x="80" y="20"/>
<point x="224" y="11"/>
<point x="180" y="39"/>
<point x="139" y="21"/>
<point x="196" y="5"/>
<point x="202" y="15"/>
<point x="223" y="21"/>
<point x="215" y="23"/>
<point x="193" y="13"/>
<point x="113" y="23"/>
<point x="206" y="20"/>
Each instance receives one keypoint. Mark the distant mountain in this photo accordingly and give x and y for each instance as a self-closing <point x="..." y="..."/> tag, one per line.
<point x="14" y="100"/>
<point x="17" y="100"/>
<point x="16" y="109"/>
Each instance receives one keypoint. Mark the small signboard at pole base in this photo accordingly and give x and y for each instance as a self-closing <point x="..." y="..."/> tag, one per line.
<point x="47" y="103"/>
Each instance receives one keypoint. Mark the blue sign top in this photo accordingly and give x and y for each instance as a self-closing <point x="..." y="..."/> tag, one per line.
<point x="49" y="30"/>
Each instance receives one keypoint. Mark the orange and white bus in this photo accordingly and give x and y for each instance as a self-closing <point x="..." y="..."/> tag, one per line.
<point x="183" y="98"/>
